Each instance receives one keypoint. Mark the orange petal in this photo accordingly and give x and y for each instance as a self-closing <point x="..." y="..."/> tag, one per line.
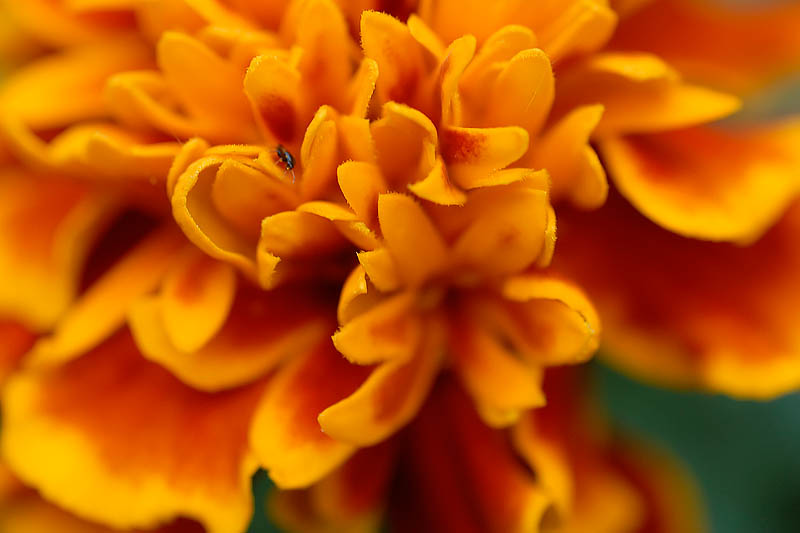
<point x="451" y="19"/>
<point x="380" y="269"/>
<point x="501" y="385"/>
<point x="738" y="48"/>
<point x="557" y="322"/>
<point x="195" y="299"/>
<point x="473" y="153"/>
<point x="523" y="92"/>
<point x="319" y="155"/>
<point x="362" y="87"/>
<point x="15" y="341"/>
<point x="710" y="184"/>
<point x="389" y="330"/>
<point x="102" y="309"/>
<point x="674" y="317"/>
<point x="193" y="209"/>
<point x="275" y="93"/>
<point x="356" y="297"/>
<point x="389" y="398"/>
<point x="508" y="233"/>
<point x="580" y="27"/>
<point x="47" y="227"/>
<point x="478" y="486"/>
<point x="436" y="187"/>
<point x="405" y="140"/>
<point x="285" y="435"/>
<point x="261" y="330"/>
<point x="116" y="439"/>
<point x="574" y="168"/>
<point x="34" y="94"/>
<point x="414" y="242"/>
<point x="640" y="93"/>
<point x="458" y="56"/>
<point x="383" y="37"/>
<point x="362" y="183"/>
<point x="299" y="234"/>
<point x="214" y="103"/>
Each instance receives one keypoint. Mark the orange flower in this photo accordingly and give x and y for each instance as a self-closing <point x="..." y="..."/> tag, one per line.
<point x="179" y="341"/>
<point x="558" y="469"/>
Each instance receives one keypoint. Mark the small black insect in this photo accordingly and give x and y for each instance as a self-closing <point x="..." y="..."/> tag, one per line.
<point x="286" y="159"/>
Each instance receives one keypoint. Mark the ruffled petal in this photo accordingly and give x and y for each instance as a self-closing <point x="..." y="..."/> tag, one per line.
<point x="116" y="439"/>
<point x="668" y="309"/>
<point x="389" y="398"/>
<point x="738" y="48"/>
<point x="285" y="435"/>
<point x="710" y="184"/>
<point x="47" y="228"/>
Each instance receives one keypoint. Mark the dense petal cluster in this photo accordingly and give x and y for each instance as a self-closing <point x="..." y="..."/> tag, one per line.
<point x="319" y="237"/>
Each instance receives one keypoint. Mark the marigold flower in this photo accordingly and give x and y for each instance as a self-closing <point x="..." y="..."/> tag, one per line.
<point x="275" y="234"/>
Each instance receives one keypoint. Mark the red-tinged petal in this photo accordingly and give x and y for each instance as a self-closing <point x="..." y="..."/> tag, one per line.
<point x="196" y="296"/>
<point x="398" y="55"/>
<point x="214" y="103"/>
<point x="275" y="92"/>
<point x="672" y="317"/>
<point x="414" y="242"/>
<point x="710" y="184"/>
<point x="285" y="434"/>
<point x="102" y="309"/>
<point x="478" y="486"/>
<point x="15" y="341"/>
<point x="388" y="331"/>
<point x="261" y="330"/>
<point x="34" y="94"/>
<point x="501" y="385"/>
<point x="47" y="227"/>
<point x="640" y="93"/>
<point x="473" y="153"/>
<point x="194" y="211"/>
<point x="117" y="439"/>
<point x="390" y="397"/>
<point x="575" y="171"/>
<point x="739" y="48"/>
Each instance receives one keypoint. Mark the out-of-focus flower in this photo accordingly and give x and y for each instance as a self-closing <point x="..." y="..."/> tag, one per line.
<point x="191" y="181"/>
<point x="559" y="469"/>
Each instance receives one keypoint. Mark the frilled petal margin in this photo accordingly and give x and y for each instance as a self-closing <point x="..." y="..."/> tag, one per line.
<point x="687" y="312"/>
<point x="115" y="438"/>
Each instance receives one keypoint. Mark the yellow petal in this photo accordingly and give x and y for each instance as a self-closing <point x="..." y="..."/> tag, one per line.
<point x="405" y="140"/>
<point x="362" y="183"/>
<point x="274" y="90"/>
<point x="436" y="187"/>
<point x="582" y="27"/>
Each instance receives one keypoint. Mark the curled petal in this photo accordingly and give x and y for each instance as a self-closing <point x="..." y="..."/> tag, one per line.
<point x="362" y="183"/>
<point x="138" y="463"/>
<point x="473" y="153"/>
<point x="710" y="184"/>
<point x="405" y="140"/>
<point x="275" y="93"/>
<point x="437" y="187"/>
<point x="285" y="434"/>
